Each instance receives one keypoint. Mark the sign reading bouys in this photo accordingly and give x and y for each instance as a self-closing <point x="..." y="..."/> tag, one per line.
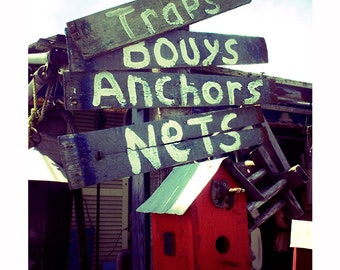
<point x="103" y="155"/>
<point x="175" y="49"/>
<point x="135" y="21"/>
<point x="106" y="89"/>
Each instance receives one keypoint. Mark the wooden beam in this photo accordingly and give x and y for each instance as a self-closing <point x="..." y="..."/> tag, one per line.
<point x="287" y="91"/>
<point x="273" y="107"/>
<point x="234" y="72"/>
<point x="81" y="229"/>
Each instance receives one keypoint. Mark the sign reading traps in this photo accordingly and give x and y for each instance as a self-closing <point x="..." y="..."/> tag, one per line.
<point x="116" y="27"/>
<point x="103" y="155"/>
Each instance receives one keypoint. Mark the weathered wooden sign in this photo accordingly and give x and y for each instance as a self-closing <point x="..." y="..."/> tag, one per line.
<point x="105" y="89"/>
<point x="103" y="155"/>
<point x="175" y="49"/>
<point x="135" y="21"/>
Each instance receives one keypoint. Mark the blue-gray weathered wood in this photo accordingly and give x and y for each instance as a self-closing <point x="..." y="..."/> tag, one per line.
<point x="98" y="156"/>
<point x="134" y="21"/>
<point x="106" y="89"/>
<point x="174" y="49"/>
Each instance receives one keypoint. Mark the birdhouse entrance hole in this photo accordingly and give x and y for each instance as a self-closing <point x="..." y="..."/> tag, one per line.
<point x="222" y="244"/>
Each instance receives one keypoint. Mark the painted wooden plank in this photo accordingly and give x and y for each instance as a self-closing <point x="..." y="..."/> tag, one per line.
<point x="103" y="155"/>
<point x="175" y="49"/>
<point x="288" y="91"/>
<point x="134" y="21"/>
<point x="106" y="89"/>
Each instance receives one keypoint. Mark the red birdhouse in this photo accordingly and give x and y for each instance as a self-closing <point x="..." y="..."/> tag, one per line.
<point x="199" y="219"/>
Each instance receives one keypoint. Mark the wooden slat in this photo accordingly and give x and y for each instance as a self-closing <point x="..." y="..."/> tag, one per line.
<point x="262" y="157"/>
<point x="292" y="207"/>
<point x="278" y="80"/>
<point x="91" y="157"/>
<point x="134" y="21"/>
<point x="175" y="49"/>
<point x="257" y="176"/>
<point x="267" y="194"/>
<point x="111" y="89"/>
<point x="266" y="215"/>
<point x="296" y="176"/>
<point x="287" y="109"/>
<point x="291" y="93"/>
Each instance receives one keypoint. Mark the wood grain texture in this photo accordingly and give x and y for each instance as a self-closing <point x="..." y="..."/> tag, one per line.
<point x="98" y="156"/>
<point x="106" y="89"/>
<point x="134" y="21"/>
<point x="174" y="49"/>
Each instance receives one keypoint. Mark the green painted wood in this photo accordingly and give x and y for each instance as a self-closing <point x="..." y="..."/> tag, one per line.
<point x="98" y="156"/>
<point x="134" y="21"/>
<point x="106" y="89"/>
<point x="174" y="49"/>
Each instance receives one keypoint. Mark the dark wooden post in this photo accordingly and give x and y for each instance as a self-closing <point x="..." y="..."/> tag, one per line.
<point x="138" y="220"/>
<point x="81" y="229"/>
<point x="98" y="226"/>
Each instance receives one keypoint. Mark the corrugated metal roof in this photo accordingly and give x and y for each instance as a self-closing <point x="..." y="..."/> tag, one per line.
<point x="182" y="186"/>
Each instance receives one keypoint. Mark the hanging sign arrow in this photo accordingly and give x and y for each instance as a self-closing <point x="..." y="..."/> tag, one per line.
<point x="106" y="89"/>
<point x="175" y="49"/>
<point x="103" y="155"/>
<point x="131" y="22"/>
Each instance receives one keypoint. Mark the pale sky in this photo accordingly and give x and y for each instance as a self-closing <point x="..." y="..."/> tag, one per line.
<point x="286" y="26"/>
